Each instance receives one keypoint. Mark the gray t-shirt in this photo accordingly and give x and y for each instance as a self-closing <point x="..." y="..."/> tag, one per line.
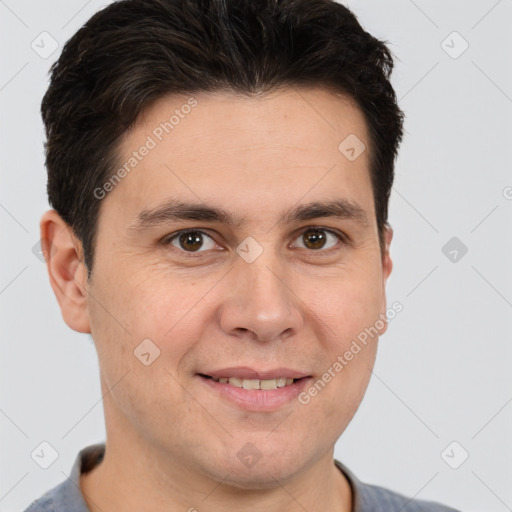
<point x="67" y="497"/>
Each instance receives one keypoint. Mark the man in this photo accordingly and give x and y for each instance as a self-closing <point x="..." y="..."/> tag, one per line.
<point x="220" y="174"/>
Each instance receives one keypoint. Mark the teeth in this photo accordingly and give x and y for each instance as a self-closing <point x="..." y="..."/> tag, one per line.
<point x="251" y="384"/>
<point x="255" y="383"/>
<point x="268" y="384"/>
<point x="234" y="381"/>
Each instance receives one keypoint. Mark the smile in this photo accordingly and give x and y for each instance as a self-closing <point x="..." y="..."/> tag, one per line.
<point x="252" y="394"/>
<point x="254" y="383"/>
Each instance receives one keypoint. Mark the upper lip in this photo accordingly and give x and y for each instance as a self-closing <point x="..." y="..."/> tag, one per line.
<point x="245" y="372"/>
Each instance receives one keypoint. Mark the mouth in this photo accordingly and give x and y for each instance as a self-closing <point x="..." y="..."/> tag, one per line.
<point x="255" y="391"/>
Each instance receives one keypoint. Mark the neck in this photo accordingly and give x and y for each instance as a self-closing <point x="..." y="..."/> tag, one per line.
<point x="140" y="478"/>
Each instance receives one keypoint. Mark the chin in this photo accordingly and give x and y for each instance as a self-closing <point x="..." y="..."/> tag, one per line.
<point x="250" y="469"/>
<point x="258" y="479"/>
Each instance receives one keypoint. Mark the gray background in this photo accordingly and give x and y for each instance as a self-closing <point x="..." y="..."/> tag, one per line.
<point x="443" y="368"/>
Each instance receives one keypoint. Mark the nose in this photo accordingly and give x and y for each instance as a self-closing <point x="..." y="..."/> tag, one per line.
<point x="260" y="303"/>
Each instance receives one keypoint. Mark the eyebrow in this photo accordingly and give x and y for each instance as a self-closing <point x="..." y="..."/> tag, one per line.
<point x="175" y="210"/>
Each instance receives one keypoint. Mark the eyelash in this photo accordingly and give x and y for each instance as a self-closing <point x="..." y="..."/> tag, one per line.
<point x="343" y="239"/>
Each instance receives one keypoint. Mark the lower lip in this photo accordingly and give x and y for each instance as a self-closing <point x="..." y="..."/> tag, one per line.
<point x="257" y="399"/>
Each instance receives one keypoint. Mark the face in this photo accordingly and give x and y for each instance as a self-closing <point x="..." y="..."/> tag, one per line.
<point x="247" y="282"/>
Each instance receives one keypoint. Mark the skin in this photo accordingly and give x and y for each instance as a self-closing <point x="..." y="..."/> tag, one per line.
<point x="172" y="442"/>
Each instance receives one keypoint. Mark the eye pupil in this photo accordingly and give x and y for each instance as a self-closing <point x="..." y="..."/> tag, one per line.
<point x="187" y="241"/>
<point x="314" y="238"/>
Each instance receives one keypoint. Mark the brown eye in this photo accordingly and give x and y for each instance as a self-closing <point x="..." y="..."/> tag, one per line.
<point x="190" y="241"/>
<point x="319" y="238"/>
<point x="314" y="239"/>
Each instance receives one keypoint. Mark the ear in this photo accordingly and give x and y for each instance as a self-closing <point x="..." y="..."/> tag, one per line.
<point x="387" y="263"/>
<point x="66" y="269"/>
<point x="387" y="267"/>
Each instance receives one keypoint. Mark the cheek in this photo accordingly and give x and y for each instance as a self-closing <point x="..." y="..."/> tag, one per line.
<point x="347" y="305"/>
<point x="350" y="312"/>
<point x="144" y="301"/>
<point x="145" y="321"/>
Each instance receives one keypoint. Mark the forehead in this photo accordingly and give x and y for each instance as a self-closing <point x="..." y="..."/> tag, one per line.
<point x="313" y="112"/>
<point x="248" y="152"/>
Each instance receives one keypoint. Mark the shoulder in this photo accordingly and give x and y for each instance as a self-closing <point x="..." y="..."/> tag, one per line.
<point x="46" y="503"/>
<point x="67" y="496"/>
<point x="379" y="499"/>
<point x="374" y="498"/>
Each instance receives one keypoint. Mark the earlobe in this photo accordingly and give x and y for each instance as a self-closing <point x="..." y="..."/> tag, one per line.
<point x="66" y="270"/>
